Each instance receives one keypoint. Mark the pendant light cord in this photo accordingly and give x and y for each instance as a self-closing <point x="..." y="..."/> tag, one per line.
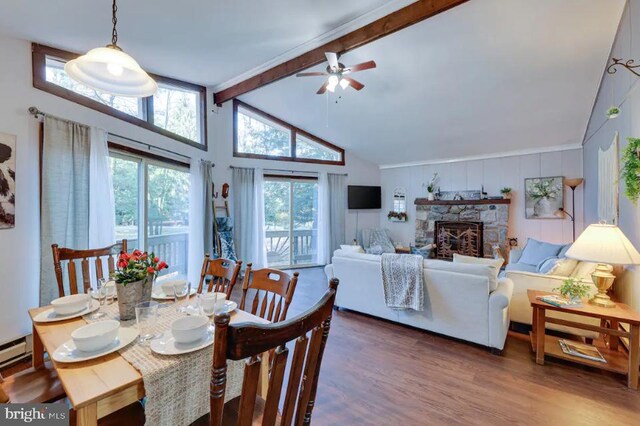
<point x="114" y="19"/>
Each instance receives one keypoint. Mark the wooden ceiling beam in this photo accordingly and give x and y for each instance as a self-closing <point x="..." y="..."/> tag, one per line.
<point x="402" y="18"/>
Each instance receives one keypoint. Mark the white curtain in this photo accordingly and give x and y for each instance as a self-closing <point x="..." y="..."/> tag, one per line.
<point x="199" y="173"/>
<point x="323" y="248"/>
<point x="102" y="210"/>
<point x="608" y="183"/>
<point x="337" y="209"/>
<point x="248" y="212"/>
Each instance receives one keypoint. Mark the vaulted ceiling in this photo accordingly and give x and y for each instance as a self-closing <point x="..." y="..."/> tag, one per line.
<point x="486" y="77"/>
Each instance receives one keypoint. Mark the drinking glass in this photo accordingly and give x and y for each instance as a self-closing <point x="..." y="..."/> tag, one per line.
<point x="207" y="302"/>
<point x="146" y="319"/>
<point x="181" y="291"/>
<point x="110" y="291"/>
<point x="98" y="291"/>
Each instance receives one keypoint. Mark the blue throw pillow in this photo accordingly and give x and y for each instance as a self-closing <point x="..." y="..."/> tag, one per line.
<point x="536" y="251"/>
<point x="547" y="265"/>
<point x="563" y="252"/>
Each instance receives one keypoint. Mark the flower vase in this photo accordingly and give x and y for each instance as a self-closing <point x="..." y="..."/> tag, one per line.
<point x="130" y="294"/>
<point x="542" y="208"/>
<point x="431" y="196"/>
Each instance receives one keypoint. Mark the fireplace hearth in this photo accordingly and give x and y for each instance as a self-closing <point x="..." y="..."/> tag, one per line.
<point x="458" y="237"/>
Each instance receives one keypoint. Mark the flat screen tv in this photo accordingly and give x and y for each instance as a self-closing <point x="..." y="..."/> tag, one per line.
<point x="364" y="197"/>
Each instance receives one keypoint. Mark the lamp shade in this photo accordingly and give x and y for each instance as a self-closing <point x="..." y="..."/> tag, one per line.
<point x="110" y="70"/>
<point x="604" y="243"/>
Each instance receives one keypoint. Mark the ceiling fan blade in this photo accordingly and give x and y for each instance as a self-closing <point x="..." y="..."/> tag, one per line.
<point x="354" y="83"/>
<point x="363" y="66"/>
<point x="332" y="58"/>
<point x="310" y="74"/>
<point x="323" y="88"/>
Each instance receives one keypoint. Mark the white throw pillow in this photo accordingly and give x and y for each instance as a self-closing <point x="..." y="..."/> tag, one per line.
<point x="564" y="267"/>
<point x="584" y="270"/>
<point x="495" y="263"/>
<point x="352" y="248"/>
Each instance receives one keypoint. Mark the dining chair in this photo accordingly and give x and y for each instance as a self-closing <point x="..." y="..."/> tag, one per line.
<point x="32" y="386"/>
<point x="222" y="274"/>
<point x="268" y="282"/>
<point x="63" y="254"/>
<point x="249" y="341"/>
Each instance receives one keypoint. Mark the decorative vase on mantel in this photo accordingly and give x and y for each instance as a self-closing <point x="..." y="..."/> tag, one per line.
<point x="130" y="294"/>
<point x="431" y="196"/>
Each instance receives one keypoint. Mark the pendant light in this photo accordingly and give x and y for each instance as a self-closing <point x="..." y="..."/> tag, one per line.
<point x="110" y="70"/>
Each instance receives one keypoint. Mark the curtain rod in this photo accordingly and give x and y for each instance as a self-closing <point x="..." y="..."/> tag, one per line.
<point x="36" y="112"/>
<point x="286" y="171"/>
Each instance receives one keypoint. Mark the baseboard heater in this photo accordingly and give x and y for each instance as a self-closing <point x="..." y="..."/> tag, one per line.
<point x="15" y="351"/>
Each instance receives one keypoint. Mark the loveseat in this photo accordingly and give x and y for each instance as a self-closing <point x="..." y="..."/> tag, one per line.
<point x="464" y="301"/>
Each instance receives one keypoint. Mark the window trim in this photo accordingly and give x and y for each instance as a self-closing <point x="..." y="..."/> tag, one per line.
<point x="39" y="55"/>
<point x="293" y="130"/>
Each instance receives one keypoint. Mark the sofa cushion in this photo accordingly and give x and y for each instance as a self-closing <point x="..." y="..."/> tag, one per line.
<point x="584" y="270"/>
<point x="380" y="238"/>
<point x="377" y="249"/>
<point x="495" y="263"/>
<point x="487" y="271"/>
<point x="352" y="247"/>
<point x="521" y="267"/>
<point x="564" y="267"/>
<point x="357" y="255"/>
<point x="563" y="251"/>
<point x="536" y="251"/>
<point x="547" y="265"/>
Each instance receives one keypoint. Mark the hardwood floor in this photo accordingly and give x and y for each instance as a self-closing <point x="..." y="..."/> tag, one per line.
<point x="379" y="373"/>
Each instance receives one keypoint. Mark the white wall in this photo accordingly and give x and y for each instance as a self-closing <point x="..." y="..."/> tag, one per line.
<point x="494" y="174"/>
<point x="20" y="246"/>
<point x="359" y="172"/>
<point x="614" y="90"/>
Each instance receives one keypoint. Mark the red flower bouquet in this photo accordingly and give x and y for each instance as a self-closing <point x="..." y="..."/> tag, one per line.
<point x="137" y="266"/>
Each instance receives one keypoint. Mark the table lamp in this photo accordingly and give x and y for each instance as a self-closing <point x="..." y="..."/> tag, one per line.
<point x="605" y="245"/>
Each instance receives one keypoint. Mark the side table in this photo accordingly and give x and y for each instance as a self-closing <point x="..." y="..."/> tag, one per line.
<point x="617" y="360"/>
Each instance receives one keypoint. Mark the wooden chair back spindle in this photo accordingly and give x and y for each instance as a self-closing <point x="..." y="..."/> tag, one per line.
<point x="250" y="341"/>
<point x="62" y="254"/>
<point x="268" y="284"/>
<point x="222" y="273"/>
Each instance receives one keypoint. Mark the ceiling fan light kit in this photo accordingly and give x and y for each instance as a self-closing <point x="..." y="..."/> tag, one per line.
<point x="110" y="70"/>
<point x="337" y="74"/>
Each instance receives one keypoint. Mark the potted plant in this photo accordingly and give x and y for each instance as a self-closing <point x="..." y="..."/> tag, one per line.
<point x="134" y="278"/>
<point x="573" y="290"/>
<point x="631" y="169"/>
<point x="506" y="193"/>
<point x="613" y="112"/>
<point x="394" y="216"/>
<point x="543" y="191"/>
<point x="432" y="187"/>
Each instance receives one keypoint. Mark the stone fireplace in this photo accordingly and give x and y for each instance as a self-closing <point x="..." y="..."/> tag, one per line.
<point x="458" y="237"/>
<point x="492" y="214"/>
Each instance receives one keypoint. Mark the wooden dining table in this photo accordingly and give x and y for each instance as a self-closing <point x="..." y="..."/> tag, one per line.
<point x="101" y="386"/>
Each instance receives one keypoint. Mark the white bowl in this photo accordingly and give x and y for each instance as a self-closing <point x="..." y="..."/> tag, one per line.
<point x="96" y="336"/>
<point x="189" y="329"/>
<point x="167" y="287"/>
<point x="70" y="304"/>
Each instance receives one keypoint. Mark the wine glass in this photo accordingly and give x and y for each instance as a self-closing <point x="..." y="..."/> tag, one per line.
<point x="98" y="291"/>
<point x="110" y="291"/>
<point x="181" y="291"/>
<point x="147" y="319"/>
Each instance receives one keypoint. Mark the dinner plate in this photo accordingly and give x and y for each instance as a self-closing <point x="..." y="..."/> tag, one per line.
<point x="161" y="296"/>
<point x="49" y="315"/>
<point x="167" y="345"/>
<point x="229" y="306"/>
<point x="67" y="352"/>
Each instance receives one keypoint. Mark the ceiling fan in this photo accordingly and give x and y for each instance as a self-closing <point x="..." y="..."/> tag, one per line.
<point x="337" y="74"/>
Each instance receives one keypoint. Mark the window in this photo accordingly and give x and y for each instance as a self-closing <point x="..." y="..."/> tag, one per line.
<point x="291" y="219"/>
<point x="260" y="135"/>
<point x="152" y="206"/>
<point x="177" y="110"/>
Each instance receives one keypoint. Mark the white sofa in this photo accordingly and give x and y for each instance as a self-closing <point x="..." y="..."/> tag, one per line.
<point x="461" y="300"/>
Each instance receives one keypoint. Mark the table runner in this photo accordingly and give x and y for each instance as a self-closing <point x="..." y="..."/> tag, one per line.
<point x="177" y="386"/>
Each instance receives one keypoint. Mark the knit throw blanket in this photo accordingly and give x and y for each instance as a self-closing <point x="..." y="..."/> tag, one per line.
<point x="402" y="281"/>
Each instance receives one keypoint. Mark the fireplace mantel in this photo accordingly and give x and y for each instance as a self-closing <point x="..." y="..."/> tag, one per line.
<point x="425" y="202"/>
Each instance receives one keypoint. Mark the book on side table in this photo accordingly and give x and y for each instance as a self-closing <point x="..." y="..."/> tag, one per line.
<point x="572" y="348"/>
<point x="559" y="301"/>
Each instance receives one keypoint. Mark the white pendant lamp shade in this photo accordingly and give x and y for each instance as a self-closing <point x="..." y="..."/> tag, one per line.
<point x="604" y="244"/>
<point x="110" y="70"/>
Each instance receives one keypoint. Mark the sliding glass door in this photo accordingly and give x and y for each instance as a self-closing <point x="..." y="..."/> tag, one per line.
<point x="291" y="207"/>
<point x="152" y="207"/>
